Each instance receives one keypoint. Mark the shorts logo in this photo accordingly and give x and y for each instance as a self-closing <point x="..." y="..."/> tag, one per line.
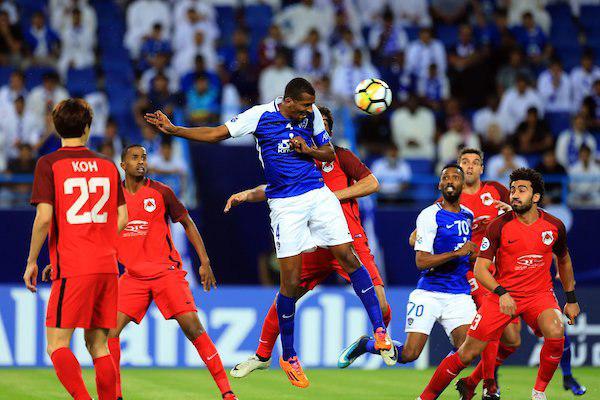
<point x="485" y="244"/>
<point x="149" y="204"/>
<point x="547" y="237"/>
<point x="487" y="199"/>
<point x="410" y="321"/>
<point x="419" y="239"/>
<point x="233" y="119"/>
<point x="328" y="166"/>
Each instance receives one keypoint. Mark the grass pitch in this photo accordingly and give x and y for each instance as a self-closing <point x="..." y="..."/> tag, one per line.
<point x="397" y="384"/>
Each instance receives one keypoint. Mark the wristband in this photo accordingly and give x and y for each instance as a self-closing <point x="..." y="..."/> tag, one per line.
<point x="571" y="298"/>
<point x="500" y="290"/>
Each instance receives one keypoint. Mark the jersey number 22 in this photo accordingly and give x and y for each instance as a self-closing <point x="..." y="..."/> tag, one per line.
<point x="86" y="187"/>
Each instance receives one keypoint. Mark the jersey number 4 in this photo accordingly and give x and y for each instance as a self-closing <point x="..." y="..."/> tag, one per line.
<point x="85" y="188"/>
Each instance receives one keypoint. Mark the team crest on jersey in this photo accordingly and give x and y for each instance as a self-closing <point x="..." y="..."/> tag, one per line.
<point x="485" y="244"/>
<point x="328" y="166"/>
<point x="304" y="123"/>
<point x="150" y="204"/>
<point x="487" y="199"/>
<point x="410" y="321"/>
<point x="547" y="237"/>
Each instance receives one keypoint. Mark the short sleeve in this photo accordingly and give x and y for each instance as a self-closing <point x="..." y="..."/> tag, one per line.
<point x="560" y="245"/>
<point x="351" y="165"/>
<point x="491" y="240"/>
<point x="502" y="191"/>
<point x="244" y="123"/>
<point x="175" y="209"/>
<point x="43" y="183"/>
<point x="426" y="231"/>
<point x="320" y="135"/>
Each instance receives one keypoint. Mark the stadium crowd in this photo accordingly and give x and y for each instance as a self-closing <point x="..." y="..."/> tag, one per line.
<point x="518" y="79"/>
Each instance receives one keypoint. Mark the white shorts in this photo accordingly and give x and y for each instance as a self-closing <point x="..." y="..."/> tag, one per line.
<point x="424" y="308"/>
<point x="305" y="222"/>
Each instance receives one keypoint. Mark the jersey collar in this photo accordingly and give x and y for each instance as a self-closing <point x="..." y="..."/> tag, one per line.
<point x="278" y="100"/>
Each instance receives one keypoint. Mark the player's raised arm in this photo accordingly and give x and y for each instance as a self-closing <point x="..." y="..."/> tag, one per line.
<point x="200" y="134"/>
<point x="41" y="224"/>
<point x="366" y="182"/>
<point x="253" y="195"/>
<point x="207" y="277"/>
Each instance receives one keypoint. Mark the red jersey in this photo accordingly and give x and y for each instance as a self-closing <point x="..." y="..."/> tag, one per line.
<point x="482" y="205"/>
<point x="84" y="189"/>
<point x="146" y="247"/>
<point x="524" y="252"/>
<point x="344" y="171"/>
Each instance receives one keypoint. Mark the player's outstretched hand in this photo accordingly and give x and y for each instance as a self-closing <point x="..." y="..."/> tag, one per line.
<point x="46" y="273"/>
<point x="500" y="205"/>
<point x="30" y="276"/>
<point x="161" y="121"/>
<point x="572" y="311"/>
<point x="508" y="305"/>
<point x="299" y="144"/>
<point x="235" y="200"/>
<point x="207" y="277"/>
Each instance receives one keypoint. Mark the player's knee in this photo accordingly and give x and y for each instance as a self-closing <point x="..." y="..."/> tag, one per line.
<point x="556" y="331"/>
<point x="193" y="332"/>
<point x="467" y="355"/>
<point x="289" y="286"/>
<point x="97" y="349"/>
<point x="512" y="340"/>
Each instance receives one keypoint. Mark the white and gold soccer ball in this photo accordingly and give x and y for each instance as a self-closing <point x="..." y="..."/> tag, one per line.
<point x="373" y="96"/>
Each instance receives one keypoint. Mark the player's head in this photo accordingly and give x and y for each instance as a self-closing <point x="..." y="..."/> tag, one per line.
<point x="327" y="119"/>
<point x="134" y="161"/>
<point x="72" y="118"/>
<point x="471" y="161"/>
<point x="451" y="183"/>
<point x="298" y="99"/>
<point x="526" y="189"/>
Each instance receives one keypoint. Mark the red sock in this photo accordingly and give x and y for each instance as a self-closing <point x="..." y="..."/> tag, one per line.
<point x="485" y="367"/>
<point x="106" y="377"/>
<point x="209" y="354"/>
<point x="504" y="352"/>
<point x="387" y="317"/>
<point x="269" y="333"/>
<point x="448" y="369"/>
<point x="549" y="359"/>
<point x="114" y="346"/>
<point x="68" y="371"/>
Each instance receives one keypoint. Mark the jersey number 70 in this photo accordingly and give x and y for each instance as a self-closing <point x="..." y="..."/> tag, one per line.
<point x="86" y="187"/>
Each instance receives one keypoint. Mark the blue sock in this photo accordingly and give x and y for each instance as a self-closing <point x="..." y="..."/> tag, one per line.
<point x="370" y="346"/>
<point x="365" y="290"/>
<point x="565" y="362"/>
<point x="286" y="308"/>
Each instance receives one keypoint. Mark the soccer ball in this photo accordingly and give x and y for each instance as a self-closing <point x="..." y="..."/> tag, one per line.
<point x="373" y="96"/>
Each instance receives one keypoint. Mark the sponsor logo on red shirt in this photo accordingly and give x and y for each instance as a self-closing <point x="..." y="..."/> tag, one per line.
<point x="136" y="228"/>
<point x="529" y="261"/>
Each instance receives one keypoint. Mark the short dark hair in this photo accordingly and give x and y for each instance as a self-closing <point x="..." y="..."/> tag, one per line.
<point x="296" y="87"/>
<point x="326" y="112"/>
<point x="71" y="117"/>
<point x="470" y="150"/>
<point x="453" y="165"/>
<point x="126" y="149"/>
<point x="531" y="175"/>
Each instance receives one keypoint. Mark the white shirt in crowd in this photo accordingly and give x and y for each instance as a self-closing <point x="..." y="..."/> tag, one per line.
<point x="38" y="100"/>
<point x="297" y="20"/>
<point x="484" y="118"/>
<point x="304" y="54"/>
<point x="202" y="7"/>
<point x="411" y="12"/>
<point x="419" y="56"/>
<point x="345" y="77"/>
<point x="581" y="83"/>
<point x="272" y="81"/>
<point x="99" y="103"/>
<point x="585" y="183"/>
<point x="175" y="165"/>
<point x="514" y="105"/>
<point x="370" y="10"/>
<point x="149" y="74"/>
<point x="77" y="48"/>
<point x="141" y="16"/>
<point x="60" y="14"/>
<point x="391" y="174"/>
<point x="8" y="96"/>
<point x="497" y="162"/>
<point x="15" y="128"/>
<point x="419" y="128"/>
<point x="568" y="144"/>
<point x="400" y="38"/>
<point x="449" y="144"/>
<point x="555" y="98"/>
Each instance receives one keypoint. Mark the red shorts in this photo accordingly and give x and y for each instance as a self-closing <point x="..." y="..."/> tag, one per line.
<point x="171" y="293"/>
<point x="489" y="323"/>
<point x="479" y="292"/>
<point x="319" y="264"/>
<point x="85" y="301"/>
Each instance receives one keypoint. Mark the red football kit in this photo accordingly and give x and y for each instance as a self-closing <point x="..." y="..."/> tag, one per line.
<point x="152" y="264"/>
<point x="318" y="265"/>
<point x="84" y="189"/>
<point x="523" y="257"/>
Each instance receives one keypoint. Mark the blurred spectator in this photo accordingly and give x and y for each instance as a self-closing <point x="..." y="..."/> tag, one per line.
<point x="61" y="11"/>
<point x="24" y="163"/>
<point x="11" y="41"/>
<point x="501" y="165"/>
<point x="15" y="88"/>
<point x="188" y="80"/>
<point x="141" y="17"/>
<point x="107" y="149"/>
<point x="152" y="45"/>
<point x="324" y="95"/>
<point x="158" y="98"/>
<point x="317" y="70"/>
<point x="423" y="52"/>
<point x="449" y="12"/>
<point x="346" y="77"/>
<point x="78" y="43"/>
<point x="345" y="15"/>
<point x="507" y="75"/>
<point x="111" y="134"/>
<point x="245" y="79"/>
<point x="583" y="77"/>
<point x="487" y="122"/>
<point x="270" y="45"/>
<point x="202" y="102"/>
<point x="42" y="98"/>
<point x="411" y="12"/>
<point x="160" y="65"/>
<point x="554" y="87"/>
<point x="305" y="54"/>
<point x="585" y="179"/>
<point x="195" y="35"/>
<point x="240" y="40"/>
<point x="591" y="106"/>
<point x="532" y="40"/>
<point x="393" y="174"/>
<point x="386" y="37"/>
<point x="486" y="30"/>
<point x="18" y="126"/>
<point x="570" y="141"/>
<point x="549" y="165"/>
<point x="273" y="79"/>
<point x="459" y="135"/>
<point x="9" y="7"/>
<point x="533" y="135"/>
<point x="202" y="7"/>
<point x="394" y="73"/>
<point x="298" y="19"/>
<point x="413" y="130"/>
<point x="343" y="50"/>
<point x="515" y="103"/>
<point x="42" y="42"/>
<point x="163" y="162"/>
<point x="150" y="140"/>
<point x="434" y="89"/>
<point x="101" y="108"/>
<point x="516" y="10"/>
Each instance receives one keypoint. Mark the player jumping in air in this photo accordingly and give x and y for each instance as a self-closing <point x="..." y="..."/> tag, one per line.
<point x="522" y="243"/>
<point x="349" y="179"/>
<point x="443" y="247"/>
<point x="80" y="206"/>
<point x="305" y="214"/>
<point x="153" y="265"/>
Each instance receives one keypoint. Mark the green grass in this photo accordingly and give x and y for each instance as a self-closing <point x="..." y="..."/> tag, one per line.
<point x="397" y="384"/>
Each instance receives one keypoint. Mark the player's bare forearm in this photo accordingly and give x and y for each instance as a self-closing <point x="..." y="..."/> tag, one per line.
<point x="361" y="188"/>
<point x="565" y="272"/>
<point x="193" y="235"/>
<point x="425" y="260"/>
<point x="324" y="153"/>
<point x="122" y="217"/>
<point x="483" y="275"/>
<point x="203" y="133"/>
<point x="257" y="194"/>
<point x="39" y="231"/>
